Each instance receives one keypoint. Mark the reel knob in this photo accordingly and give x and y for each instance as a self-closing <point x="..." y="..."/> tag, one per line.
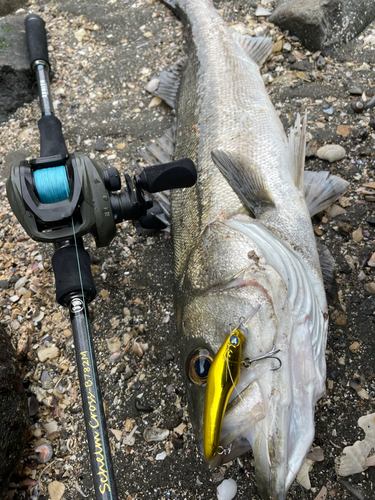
<point x="112" y="179"/>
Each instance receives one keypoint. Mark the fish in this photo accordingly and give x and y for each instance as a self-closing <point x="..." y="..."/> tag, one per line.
<point x="244" y="247"/>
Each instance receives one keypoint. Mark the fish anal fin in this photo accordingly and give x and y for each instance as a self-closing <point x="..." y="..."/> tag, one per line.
<point x="169" y="82"/>
<point x="320" y="190"/>
<point x="256" y="47"/>
<point x="243" y="179"/>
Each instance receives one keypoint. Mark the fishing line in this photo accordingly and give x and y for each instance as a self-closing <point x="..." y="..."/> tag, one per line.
<point x="52" y="184"/>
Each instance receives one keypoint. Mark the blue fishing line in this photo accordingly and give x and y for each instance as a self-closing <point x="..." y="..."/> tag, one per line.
<point x="52" y="184"/>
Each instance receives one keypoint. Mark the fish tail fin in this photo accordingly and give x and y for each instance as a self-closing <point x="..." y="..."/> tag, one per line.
<point x="258" y="48"/>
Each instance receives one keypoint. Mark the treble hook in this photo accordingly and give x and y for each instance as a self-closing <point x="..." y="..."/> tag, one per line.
<point x="270" y="355"/>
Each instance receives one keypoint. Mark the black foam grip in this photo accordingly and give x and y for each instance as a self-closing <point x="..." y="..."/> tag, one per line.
<point x="173" y="175"/>
<point x="51" y="138"/>
<point x="67" y="276"/>
<point x="36" y="38"/>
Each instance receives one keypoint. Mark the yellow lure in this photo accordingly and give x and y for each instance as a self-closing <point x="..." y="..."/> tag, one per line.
<point x="222" y="378"/>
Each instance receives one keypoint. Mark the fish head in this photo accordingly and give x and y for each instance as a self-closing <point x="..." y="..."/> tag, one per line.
<point x="230" y="274"/>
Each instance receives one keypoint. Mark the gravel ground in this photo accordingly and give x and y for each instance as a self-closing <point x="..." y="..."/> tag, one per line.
<point x="102" y="56"/>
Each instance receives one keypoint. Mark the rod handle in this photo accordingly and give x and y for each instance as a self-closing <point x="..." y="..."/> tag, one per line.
<point x="173" y="175"/>
<point x="52" y="141"/>
<point x="36" y="38"/>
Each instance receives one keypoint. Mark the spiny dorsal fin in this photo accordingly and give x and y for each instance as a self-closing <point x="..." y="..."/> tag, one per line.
<point x="257" y="47"/>
<point x="169" y="82"/>
<point x="245" y="182"/>
<point x="321" y="190"/>
<point x="297" y="149"/>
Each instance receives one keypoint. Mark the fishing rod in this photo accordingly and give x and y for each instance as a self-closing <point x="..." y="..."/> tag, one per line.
<point x="60" y="197"/>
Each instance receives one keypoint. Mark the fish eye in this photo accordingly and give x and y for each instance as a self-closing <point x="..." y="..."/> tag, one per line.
<point x="198" y="365"/>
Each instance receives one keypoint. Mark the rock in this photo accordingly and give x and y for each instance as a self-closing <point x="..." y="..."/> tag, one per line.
<point x="16" y="77"/>
<point x="358" y="235"/>
<point x="12" y="158"/>
<point x="370" y="287"/>
<point x="14" y="413"/>
<point x="354" y="347"/>
<point x="331" y="152"/>
<point x="100" y="144"/>
<point x="319" y="25"/>
<point x="9" y="6"/>
<point x="45" y="353"/>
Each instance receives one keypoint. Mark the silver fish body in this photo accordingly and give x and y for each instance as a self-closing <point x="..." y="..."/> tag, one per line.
<point x="236" y="249"/>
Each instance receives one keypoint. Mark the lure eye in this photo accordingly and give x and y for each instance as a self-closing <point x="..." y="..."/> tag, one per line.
<point x="198" y="365"/>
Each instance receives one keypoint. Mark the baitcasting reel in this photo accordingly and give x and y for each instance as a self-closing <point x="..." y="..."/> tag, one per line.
<point x="51" y="194"/>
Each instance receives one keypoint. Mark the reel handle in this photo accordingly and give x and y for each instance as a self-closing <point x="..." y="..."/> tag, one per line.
<point x="173" y="175"/>
<point x="36" y="39"/>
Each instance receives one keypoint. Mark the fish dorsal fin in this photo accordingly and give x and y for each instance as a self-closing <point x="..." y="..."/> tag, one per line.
<point x="321" y="190"/>
<point x="169" y="82"/>
<point x="245" y="182"/>
<point x="257" y="47"/>
<point x="297" y="148"/>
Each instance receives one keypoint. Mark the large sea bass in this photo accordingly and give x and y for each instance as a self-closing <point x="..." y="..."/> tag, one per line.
<point x="245" y="248"/>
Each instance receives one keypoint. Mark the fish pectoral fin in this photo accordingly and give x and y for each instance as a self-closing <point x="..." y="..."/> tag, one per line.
<point x="321" y="190"/>
<point x="245" y="181"/>
<point x="169" y="82"/>
<point x="257" y="47"/>
<point x="297" y="149"/>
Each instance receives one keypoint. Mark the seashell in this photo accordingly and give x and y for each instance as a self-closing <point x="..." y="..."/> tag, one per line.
<point x="115" y="356"/>
<point x="155" y="434"/>
<point x="139" y="348"/>
<point x="46" y="380"/>
<point x="63" y="385"/>
<point x="114" y="344"/>
<point x="357" y="106"/>
<point x="331" y="152"/>
<point x="33" y="406"/>
<point x="227" y="489"/>
<point x="38" y="371"/>
<point x="44" y="453"/>
<point x="56" y="490"/>
<point x="353" y="458"/>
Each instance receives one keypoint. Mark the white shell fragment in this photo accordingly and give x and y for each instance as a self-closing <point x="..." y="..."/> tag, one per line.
<point x="227" y="489"/>
<point x="353" y="459"/>
<point x="139" y="348"/>
<point x="261" y="11"/>
<point x="331" y="152"/>
<point x="56" y="490"/>
<point x="155" y="434"/>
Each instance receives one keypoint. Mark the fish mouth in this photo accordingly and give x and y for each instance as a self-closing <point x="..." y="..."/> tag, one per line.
<point x="241" y="418"/>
